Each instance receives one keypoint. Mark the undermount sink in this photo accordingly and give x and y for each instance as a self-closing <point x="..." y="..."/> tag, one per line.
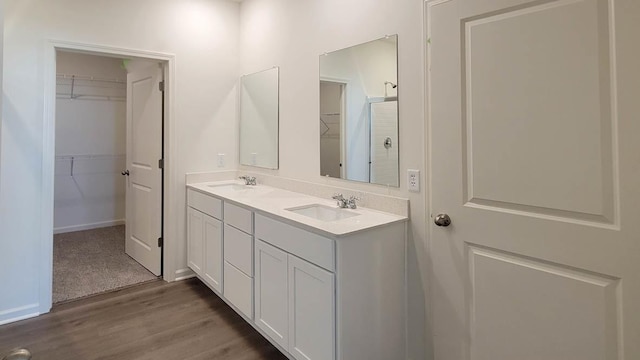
<point x="323" y="212"/>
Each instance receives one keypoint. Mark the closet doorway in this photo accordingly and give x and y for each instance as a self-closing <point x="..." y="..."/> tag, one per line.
<point x="108" y="174"/>
<point x="332" y="124"/>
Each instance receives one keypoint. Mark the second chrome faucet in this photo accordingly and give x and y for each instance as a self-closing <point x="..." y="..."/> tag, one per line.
<point x="248" y="180"/>
<point x="346" y="203"/>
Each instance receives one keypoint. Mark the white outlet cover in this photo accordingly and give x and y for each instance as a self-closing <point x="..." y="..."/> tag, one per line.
<point x="220" y="160"/>
<point x="413" y="180"/>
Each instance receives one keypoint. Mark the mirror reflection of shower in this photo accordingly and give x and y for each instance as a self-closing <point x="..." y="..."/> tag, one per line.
<point x="358" y="124"/>
<point x="386" y="88"/>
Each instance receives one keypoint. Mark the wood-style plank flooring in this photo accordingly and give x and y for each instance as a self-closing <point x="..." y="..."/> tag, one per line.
<point x="182" y="321"/>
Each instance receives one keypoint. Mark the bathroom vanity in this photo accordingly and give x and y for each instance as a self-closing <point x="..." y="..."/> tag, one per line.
<point x="318" y="281"/>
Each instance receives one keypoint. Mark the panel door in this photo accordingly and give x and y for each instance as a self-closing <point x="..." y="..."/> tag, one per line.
<point x="271" y="296"/>
<point x="195" y="240"/>
<point x="212" y="238"/>
<point x="533" y="125"/>
<point x="144" y="185"/>
<point x="311" y="311"/>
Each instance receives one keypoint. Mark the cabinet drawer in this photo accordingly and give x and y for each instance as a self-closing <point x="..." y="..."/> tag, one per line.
<point x="238" y="217"/>
<point x="309" y="246"/>
<point x="238" y="289"/>
<point x="205" y="203"/>
<point x="238" y="249"/>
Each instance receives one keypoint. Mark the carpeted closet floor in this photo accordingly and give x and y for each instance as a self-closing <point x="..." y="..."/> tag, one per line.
<point x="91" y="262"/>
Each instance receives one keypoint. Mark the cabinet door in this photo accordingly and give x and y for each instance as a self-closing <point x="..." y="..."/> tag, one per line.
<point x="271" y="308"/>
<point x="213" y="252"/>
<point x="195" y="240"/>
<point x="311" y="311"/>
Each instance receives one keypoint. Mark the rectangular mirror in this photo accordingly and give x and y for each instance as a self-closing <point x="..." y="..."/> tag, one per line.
<point x="359" y="113"/>
<point x="259" y="119"/>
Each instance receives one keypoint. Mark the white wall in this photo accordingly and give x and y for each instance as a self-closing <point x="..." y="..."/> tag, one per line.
<point x="90" y="143"/>
<point x="203" y="35"/>
<point x="292" y="34"/>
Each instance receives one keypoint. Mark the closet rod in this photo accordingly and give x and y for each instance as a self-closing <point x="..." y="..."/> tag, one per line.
<point x="88" y="156"/>
<point x="91" y="97"/>
<point x="90" y="78"/>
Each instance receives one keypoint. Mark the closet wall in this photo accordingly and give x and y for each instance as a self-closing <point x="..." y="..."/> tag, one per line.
<point x="90" y="142"/>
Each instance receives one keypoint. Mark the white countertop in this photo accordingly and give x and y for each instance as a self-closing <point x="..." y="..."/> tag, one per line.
<point x="274" y="201"/>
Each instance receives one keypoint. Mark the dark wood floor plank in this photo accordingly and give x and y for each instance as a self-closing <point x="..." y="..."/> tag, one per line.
<point x="182" y="320"/>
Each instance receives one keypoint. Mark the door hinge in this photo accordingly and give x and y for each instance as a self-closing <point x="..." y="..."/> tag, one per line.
<point x="161" y="85"/>
<point x="160" y="242"/>
<point x="161" y="164"/>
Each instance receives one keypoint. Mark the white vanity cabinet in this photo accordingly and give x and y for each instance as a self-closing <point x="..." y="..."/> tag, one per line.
<point x="271" y="292"/>
<point x="311" y="311"/>
<point x="204" y="238"/>
<point x="220" y="248"/>
<point x="344" y="296"/>
<point x="195" y="240"/>
<point x="238" y="258"/>
<point x="294" y="303"/>
<point x="313" y="294"/>
<point x="295" y="297"/>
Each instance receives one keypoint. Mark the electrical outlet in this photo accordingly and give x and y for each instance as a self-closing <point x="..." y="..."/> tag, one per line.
<point x="413" y="180"/>
<point x="220" y="160"/>
<point x="254" y="158"/>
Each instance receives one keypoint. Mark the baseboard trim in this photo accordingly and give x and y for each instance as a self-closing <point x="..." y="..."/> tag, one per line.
<point x="19" y="313"/>
<point x="66" y="229"/>
<point x="184" y="274"/>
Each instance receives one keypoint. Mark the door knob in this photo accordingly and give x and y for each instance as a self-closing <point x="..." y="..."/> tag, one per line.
<point x="126" y="172"/>
<point x="442" y="220"/>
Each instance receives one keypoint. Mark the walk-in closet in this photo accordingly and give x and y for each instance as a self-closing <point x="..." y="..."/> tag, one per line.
<point x="89" y="200"/>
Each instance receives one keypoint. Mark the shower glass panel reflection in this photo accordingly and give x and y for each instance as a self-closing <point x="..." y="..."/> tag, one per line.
<point x="383" y="125"/>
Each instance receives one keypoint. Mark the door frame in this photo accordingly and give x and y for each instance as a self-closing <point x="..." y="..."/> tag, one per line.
<point x="428" y="216"/>
<point x="48" y="163"/>
<point x="344" y="83"/>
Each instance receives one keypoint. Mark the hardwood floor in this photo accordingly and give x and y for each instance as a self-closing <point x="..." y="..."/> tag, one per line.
<point x="177" y="321"/>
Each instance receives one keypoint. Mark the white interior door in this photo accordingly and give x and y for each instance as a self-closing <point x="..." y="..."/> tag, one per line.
<point x="534" y="155"/>
<point x="144" y="185"/>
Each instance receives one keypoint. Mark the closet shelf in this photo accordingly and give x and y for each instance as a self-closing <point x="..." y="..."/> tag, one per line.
<point x="89" y="156"/>
<point x="90" y="78"/>
<point x="80" y="87"/>
<point x="90" y="97"/>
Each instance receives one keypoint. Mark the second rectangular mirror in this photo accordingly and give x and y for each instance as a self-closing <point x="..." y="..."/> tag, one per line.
<point x="259" y="119"/>
<point x="359" y="113"/>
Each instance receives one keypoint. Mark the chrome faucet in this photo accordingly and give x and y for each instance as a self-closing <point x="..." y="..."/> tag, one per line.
<point x="346" y="203"/>
<point x="341" y="201"/>
<point x="248" y="180"/>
